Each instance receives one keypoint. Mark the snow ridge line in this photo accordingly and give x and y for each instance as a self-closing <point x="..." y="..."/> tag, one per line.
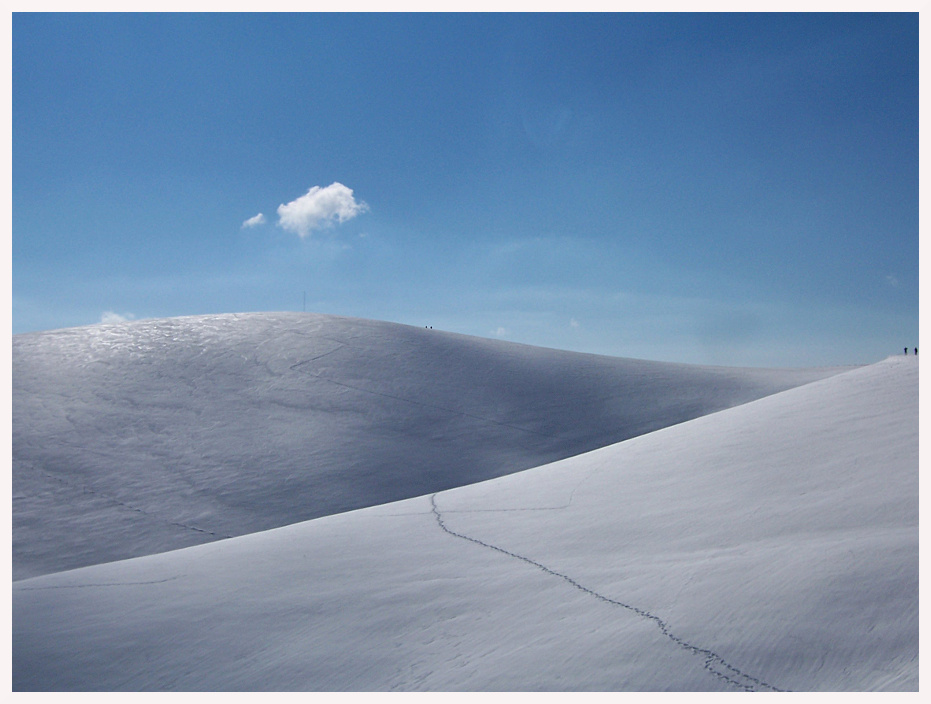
<point x="112" y="499"/>
<point x="713" y="662"/>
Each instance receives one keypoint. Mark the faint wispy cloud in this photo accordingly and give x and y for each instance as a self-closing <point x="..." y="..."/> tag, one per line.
<point x="318" y="208"/>
<point x="110" y="317"/>
<point x="500" y="332"/>
<point x="892" y="280"/>
<point x="254" y="221"/>
<point x="546" y="127"/>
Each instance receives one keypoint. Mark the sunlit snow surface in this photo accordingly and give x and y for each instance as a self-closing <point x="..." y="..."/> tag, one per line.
<point x="773" y="545"/>
<point x="148" y="436"/>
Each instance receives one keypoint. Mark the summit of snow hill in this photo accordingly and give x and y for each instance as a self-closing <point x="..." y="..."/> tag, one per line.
<point x="147" y="436"/>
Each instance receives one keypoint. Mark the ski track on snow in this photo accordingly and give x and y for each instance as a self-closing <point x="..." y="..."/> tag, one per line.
<point x="427" y="405"/>
<point x="103" y="584"/>
<point x="518" y="509"/>
<point x="298" y="368"/>
<point x="713" y="662"/>
<point x="125" y="505"/>
<point x="342" y="345"/>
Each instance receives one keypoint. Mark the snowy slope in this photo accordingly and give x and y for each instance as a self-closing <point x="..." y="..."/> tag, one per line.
<point x="142" y="437"/>
<point x="769" y="546"/>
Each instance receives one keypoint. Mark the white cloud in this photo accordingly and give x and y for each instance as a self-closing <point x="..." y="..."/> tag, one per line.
<point x="110" y="317"/>
<point x="254" y="221"/>
<point x="319" y="207"/>
<point x="500" y="332"/>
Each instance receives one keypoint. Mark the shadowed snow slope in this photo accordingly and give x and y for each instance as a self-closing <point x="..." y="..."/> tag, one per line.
<point x="769" y="546"/>
<point x="148" y="436"/>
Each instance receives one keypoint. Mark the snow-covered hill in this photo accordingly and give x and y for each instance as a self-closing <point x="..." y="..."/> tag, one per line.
<point x="142" y="437"/>
<point x="769" y="546"/>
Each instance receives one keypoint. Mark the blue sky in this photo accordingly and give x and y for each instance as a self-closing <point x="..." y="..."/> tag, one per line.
<point x="723" y="189"/>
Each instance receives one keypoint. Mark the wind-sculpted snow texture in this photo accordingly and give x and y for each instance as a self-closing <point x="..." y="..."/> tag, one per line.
<point x="773" y="546"/>
<point x="147" y="436"/>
